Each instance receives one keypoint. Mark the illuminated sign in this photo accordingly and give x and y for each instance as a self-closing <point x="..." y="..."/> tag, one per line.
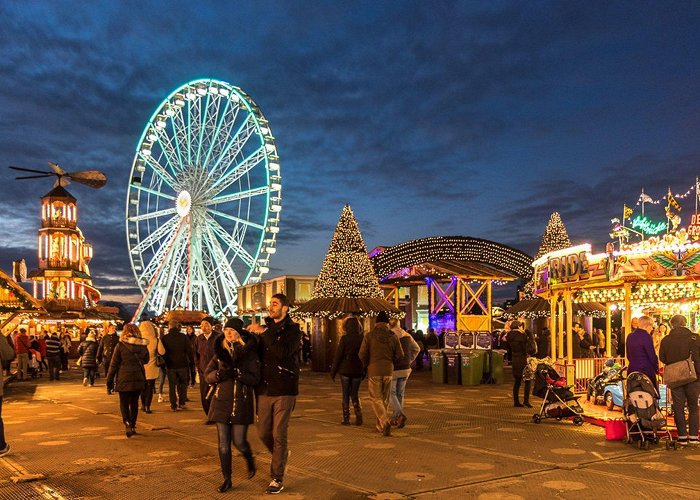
<point x="568" y="267"/>
<point x="694" y="226"/>
<point x="647" y="226"/>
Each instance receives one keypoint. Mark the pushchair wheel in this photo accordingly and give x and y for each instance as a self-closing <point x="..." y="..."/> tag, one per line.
<point x="536" y="418"/>
<point x="578" y="420"/>
<point x="609" y="403"/>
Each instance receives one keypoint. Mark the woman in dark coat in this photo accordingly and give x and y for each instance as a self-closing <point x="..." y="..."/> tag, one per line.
<point x="127" y="366"/>
<point x="518" y="342"/>
<point x="233" y="373"/>
<point x="87" y="350"/>
<point x="348" y="364"/>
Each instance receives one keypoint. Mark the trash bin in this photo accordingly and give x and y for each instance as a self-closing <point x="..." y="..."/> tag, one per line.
<point x="472" y="367"/>
<point x="437" y="362"/>
<point x="454" y="373"/>
<point x="496" y="367"/>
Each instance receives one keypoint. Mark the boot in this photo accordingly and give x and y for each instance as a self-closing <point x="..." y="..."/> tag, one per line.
<point x="346" y="415"/>
<point x="225" y="486"/>
<point x="358" y="413"/>
<point x="250" y="462"/>
<point x="128" y="429"/>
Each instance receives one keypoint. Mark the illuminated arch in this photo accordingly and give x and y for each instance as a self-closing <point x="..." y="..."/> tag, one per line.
<point x="482" y="253"/>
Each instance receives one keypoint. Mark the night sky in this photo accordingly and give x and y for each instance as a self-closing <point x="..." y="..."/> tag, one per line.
<point x="428" y="118"/>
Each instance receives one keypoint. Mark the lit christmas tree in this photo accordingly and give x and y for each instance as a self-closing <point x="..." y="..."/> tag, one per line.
<point x="347" y="270"/>
<point x="555" y="238"/>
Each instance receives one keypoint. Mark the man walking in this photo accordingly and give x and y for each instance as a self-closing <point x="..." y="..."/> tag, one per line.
<point x="178" y="354"/>
<point x="203" y="353"/>
<point x="279" y="355"/>
<point x="379" y="351"/>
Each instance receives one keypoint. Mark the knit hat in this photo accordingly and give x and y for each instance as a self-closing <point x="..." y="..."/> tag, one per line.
<point x="210" y="320"/>
<point x="236" y="324"/>
<point x="382" y="317"/>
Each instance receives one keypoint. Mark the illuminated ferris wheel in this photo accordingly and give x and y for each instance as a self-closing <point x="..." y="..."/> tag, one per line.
<point x="204" y="199"/>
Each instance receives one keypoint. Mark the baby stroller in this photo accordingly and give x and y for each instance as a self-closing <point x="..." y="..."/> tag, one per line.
<point x="557" y="399"/>
<point x="644" y="421"/>
<point x="612" y="374"/>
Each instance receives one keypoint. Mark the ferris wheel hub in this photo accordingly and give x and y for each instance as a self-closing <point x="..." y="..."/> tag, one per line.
<point x="183" y="204"/>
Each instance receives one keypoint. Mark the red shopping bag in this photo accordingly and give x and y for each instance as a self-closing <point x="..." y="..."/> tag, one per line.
<point x="615" y="429"/>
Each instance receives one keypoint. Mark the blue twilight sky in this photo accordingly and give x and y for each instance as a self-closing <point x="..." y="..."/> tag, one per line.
<point x="429" y="118"/>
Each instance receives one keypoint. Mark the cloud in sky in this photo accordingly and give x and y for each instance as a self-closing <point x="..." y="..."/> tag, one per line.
<point x="429" y="119"/>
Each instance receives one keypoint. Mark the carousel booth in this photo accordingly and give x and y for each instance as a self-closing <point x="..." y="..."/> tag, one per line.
<point x="657" y="277"/>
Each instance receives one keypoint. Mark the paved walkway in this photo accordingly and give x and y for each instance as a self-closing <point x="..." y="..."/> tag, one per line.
<point x="68" y="442"/>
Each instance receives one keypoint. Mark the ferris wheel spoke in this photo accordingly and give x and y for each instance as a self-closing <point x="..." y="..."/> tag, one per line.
<point x="154" y="192"/>
<point x="238" y="171"/>
<point x="236" y="219"/>
<point x="222" y="264"/>
<point x="248" y="193"/>
<point x="222" y="125"/>
<point x="234" y="146"/>
<point x="159" y="213"/>
<point x="202" y="128"/>
<point x="156" y="235"/>
<point x="231" y="242"/>
<point x="159" y="261"/>
<point x="158" y="169"/>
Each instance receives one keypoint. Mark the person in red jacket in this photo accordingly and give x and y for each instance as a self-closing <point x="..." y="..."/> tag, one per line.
<point x="22" y="347"/>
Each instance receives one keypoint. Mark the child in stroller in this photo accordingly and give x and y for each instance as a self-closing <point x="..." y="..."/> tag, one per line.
<point x="644" y="421"/>
<point x="33" y="364"/>
<point x="612" y="374"/>
<point x="557" y="399"/>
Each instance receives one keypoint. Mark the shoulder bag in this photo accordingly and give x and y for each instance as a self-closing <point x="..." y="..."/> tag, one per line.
<point x="681" y="372"/>
<point x="160" y="359"/>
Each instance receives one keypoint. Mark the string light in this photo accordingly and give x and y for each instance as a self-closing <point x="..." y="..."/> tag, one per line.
<point x="554" y="238"/>
<point x="643" y="197"/>
<point x="440" y="248"/>
<point x="347" y="270"/>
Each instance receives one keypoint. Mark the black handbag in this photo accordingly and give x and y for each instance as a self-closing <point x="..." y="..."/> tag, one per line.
<point x="160" y="359"/>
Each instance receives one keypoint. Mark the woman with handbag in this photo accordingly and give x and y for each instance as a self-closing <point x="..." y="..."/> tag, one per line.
<point x="152" y="368"/>
<point x="682" y="348"/>
<point x="233" y="373"/>
<point x="127" y="366"/>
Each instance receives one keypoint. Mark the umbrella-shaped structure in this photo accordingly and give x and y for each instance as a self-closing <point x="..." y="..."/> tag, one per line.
<point x="347" y="284"/>
<point x="539" y="308"/>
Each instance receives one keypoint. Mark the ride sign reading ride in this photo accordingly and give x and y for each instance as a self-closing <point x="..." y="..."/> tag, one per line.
<point x="568" y="267"/>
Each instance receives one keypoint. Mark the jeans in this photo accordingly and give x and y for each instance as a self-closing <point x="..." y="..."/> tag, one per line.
<point x="351" y="387"/>
<point x="379" y="391"/>
<point x="54" y="366"/>
<point x="273" y="420"/>
<point x="129" y="406"/>
<point x="89" y="374"/>
<point x="689" y="394"/>
<point x="177" y="385"/>
<point x="161" y="379"/>
<point x="516" y="390"/>
<point x="398" y="387"/>
<point x="228" y="433"/>
<point x="147" y="393"/>
<point x="193" y="374"/>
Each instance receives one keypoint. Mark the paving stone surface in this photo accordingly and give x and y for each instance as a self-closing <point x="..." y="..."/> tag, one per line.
<point x="459" y="442"/>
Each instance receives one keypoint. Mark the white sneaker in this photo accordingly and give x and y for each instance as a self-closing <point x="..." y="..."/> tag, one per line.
<point x="85" y="382"/>
<point x="693" y="442"/>
<point x="160" y="398"/>
<point x="5" y="450"/>
<point x="274" y="487"/>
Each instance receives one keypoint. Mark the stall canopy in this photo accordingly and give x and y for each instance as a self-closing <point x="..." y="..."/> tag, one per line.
<point x="539" y="308"/>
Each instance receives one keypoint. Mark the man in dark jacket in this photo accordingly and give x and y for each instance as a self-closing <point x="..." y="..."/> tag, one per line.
<point x="203" y="354"/>
<point x="178" y="355"/>
<point x="679" y="345"/>
<point x="107" y="345"/>
<point x="379" y="351"/>
<point x="518" y="342"/>
<point x="53" y="355"/>
<point x="279" y="355"/>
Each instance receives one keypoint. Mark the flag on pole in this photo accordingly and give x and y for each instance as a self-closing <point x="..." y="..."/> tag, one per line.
<point x="645" y="198"/>
<point x="672" y="202"/>
<point x="627" y="212"/>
